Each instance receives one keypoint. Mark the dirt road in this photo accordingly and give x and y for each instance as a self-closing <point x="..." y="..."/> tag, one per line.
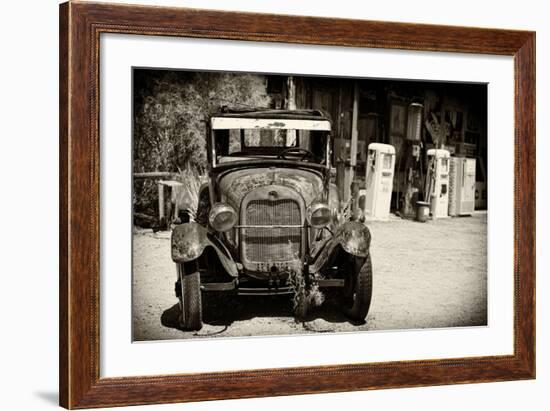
<point x="425" y="276"/>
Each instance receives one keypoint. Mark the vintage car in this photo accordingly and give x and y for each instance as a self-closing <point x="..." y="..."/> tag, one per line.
<point x="270" y="220"/>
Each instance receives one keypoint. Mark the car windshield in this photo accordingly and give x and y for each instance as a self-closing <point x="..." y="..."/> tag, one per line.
<point x="253" y="138"/>
<point x="290" y="144"/>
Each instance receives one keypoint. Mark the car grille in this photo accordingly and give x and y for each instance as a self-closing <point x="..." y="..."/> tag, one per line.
<point x="272" y="244"/>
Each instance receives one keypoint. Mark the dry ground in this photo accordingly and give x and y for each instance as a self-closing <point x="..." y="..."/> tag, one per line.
<point x="425" y="276"/>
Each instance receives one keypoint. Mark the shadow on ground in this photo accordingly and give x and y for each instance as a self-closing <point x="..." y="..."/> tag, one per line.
<point x="224" y="310"/>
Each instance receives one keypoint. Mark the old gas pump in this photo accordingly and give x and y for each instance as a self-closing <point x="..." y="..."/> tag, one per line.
<point x="437" y="182"/>
<point x="379" y="181"/>
<point x="462" y="186"/>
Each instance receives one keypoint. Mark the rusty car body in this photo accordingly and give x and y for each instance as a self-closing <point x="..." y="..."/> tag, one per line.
<point x="270" y="220"/>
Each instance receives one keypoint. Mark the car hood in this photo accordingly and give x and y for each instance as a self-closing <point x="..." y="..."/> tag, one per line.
<point x="237" y="184"/>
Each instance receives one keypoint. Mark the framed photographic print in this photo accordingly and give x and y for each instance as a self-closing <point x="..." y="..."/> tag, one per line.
<point x="256" y="205"/>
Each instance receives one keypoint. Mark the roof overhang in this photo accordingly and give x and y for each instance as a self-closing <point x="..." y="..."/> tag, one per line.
<point x="229" y="123"/>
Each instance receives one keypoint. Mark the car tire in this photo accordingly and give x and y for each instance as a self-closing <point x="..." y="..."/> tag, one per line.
<point x="191" y="303"/>
<point x="300" y="306"/>
<point x="358" y="289"/>
<point x="299" y="299"/>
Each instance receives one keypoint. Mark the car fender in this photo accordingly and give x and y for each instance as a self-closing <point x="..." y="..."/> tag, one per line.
<point x="189" y="241"/>
<point x="352" y="236"/>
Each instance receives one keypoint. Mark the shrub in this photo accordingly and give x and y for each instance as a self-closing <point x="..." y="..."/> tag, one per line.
<point x="171" y="109"/>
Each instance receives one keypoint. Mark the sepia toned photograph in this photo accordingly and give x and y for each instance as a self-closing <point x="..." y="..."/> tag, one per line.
<point x="268" y="204"/>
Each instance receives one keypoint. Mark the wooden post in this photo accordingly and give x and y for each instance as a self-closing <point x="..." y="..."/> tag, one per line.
<point x="161" y="202"/>
<point x="341" y="179"/>
<point x="350" y="170"/>
<point x="354" y="200"/>
<point x="154" y="174"/>
<point x="291" y="93"/>
<point x="354" y="121"/>
<point x="442" y="139"/>
<point x="290" y="105"/>
<point x="339" y="162"/>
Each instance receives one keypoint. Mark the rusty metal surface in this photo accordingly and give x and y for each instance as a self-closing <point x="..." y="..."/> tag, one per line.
<point x="354" y="238"/>
<point x="189" y="241"/>
<point x="270" y="243"/>
<point x="234" y="186"/>
<point x="272" y="205"/>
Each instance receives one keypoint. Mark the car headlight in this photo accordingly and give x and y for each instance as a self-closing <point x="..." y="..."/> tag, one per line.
<point x="318" y="215"/>
<point x="222" y="217"/>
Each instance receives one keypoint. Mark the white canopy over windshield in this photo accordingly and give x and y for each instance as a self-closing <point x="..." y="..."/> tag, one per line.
<point x="229" y="123"/>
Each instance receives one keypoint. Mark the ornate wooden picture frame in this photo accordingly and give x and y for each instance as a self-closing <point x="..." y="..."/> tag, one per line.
<point x="80" y="27"/>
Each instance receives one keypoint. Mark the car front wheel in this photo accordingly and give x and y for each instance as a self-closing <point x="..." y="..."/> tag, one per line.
<point x="358" y="288"/>
<point x="190" y="299"/>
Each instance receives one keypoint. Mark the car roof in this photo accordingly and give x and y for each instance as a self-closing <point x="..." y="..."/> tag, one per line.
<point x="271" y="119"/>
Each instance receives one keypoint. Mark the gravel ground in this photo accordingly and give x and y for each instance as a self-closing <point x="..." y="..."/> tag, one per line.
<point x="427" y="275"/>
